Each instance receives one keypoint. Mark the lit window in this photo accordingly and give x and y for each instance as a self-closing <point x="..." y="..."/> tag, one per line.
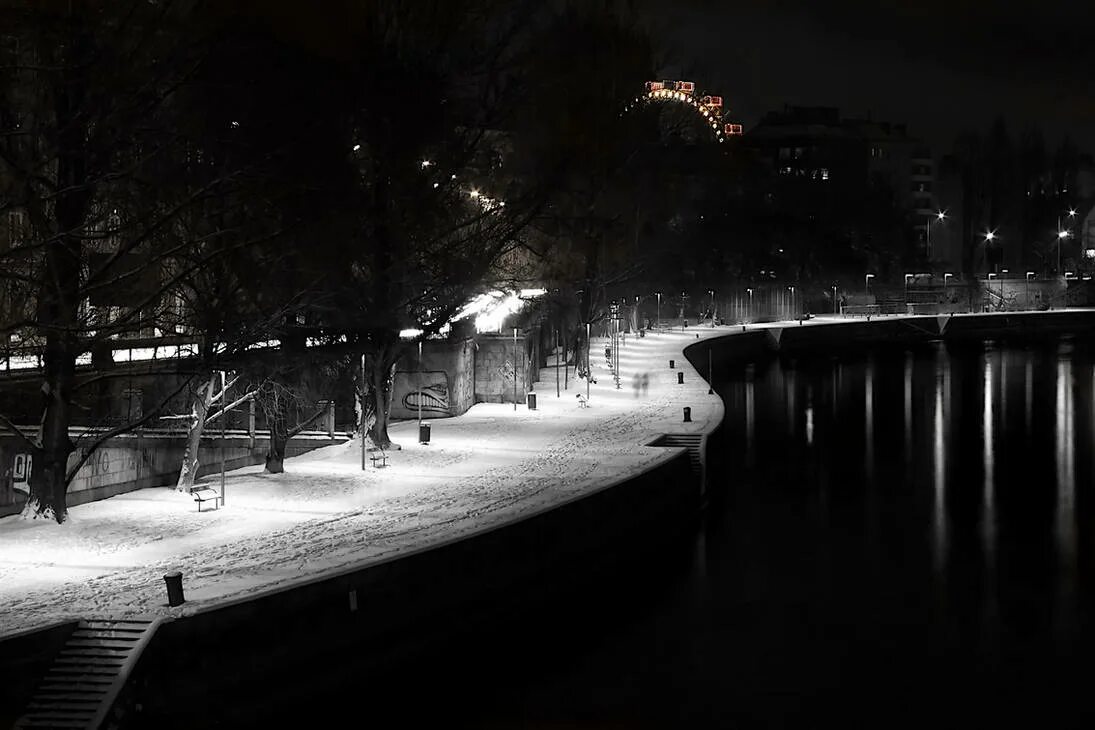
<point x="824" y="173"/>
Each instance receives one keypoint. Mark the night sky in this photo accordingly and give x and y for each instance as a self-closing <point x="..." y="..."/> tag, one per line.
<point x="939" y="66"/>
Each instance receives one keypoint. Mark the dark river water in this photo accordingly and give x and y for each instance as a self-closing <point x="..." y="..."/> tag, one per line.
<point x="896" y="538"/>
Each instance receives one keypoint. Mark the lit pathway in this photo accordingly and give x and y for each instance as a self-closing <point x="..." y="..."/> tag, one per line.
<point x="491" y="465"/>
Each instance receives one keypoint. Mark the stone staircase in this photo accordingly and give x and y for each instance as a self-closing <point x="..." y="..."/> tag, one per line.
<point x="690" y="441"/>
<point x="89" y="673"/>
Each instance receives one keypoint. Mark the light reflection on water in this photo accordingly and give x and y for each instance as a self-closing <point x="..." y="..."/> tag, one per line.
<point x="939" y="462"/>
<point x="916" y="425"/>
<point x="988" y="458"/>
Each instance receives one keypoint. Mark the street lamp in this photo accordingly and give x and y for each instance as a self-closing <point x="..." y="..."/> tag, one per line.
<point x="1029" y="275"/>
<point x="514" y="368"/>
<point x="712" y="293"/>
<point x="990" y="236"/>
<point x="907" y="277"/>
<point x="867" y="283"/>
<point x="792" y="290"/>
<point x="1061" y="235"/>
<point x="749" y="312"/>
<point x="658" y="294"/>
<point x="835" y="303"/>
<point x="939" y="216"/>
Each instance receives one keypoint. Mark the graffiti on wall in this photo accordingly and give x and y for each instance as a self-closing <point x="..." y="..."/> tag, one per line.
<point x="429" y="388"/>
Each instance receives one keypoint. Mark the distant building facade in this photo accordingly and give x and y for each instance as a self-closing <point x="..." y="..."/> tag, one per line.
<point x="843" y="157"/>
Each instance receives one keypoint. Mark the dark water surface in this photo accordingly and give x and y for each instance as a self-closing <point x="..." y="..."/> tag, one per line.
<point x="896" y="538"/>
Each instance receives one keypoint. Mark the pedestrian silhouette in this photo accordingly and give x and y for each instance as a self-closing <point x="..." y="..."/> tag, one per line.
<point x="636" y="383"/>
<point x="645" y="382"/>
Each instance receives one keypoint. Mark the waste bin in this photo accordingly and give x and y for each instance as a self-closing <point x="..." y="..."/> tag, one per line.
<point x="687" y="414"/>
<point x="531" y="399"/>
<point x="174" y="588"/>
<point x="423" y="433"/>
<point x="670" y="364"/>
<point x="680" y="378"/>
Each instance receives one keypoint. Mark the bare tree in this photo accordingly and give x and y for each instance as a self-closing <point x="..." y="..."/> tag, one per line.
<point x="120" y="187"/>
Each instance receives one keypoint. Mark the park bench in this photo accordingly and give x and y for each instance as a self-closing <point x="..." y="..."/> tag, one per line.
<point x="204" y="495"/>
<point x="379" y="459"/>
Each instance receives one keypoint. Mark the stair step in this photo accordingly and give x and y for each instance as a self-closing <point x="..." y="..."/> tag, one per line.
<point x="95" y="651"/>
<point x="112" y="635"/>
<point x="68" y="673"/>
<point x="126" y="624"/>
<point x="32" y="722"/>
<point x="83" y="713"/>
<point x="91" y="661"/>
<point x="102" y="644"/>
<point x="102" y="653"/>
<point x="69" y="693"/>
<point x="76" y="705"/>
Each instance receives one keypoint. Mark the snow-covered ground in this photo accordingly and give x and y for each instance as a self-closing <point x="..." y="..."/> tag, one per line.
<point x="489" y="466"/>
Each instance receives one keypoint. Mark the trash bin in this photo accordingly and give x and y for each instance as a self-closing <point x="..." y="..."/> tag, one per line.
<point x="423" y="433"/>
<point x="531" y="400"/>
<point x="680" y="378"/>
<point x="687" y="414"/>
<point x="670" y="364"/>
<point x="174" y="588"/>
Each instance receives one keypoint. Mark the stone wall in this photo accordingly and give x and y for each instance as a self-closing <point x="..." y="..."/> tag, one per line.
<point x="494" y="369"/>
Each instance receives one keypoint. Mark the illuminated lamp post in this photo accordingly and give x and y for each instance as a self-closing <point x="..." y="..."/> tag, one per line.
<point x="1029" y="274"/>
<point x="749" y="312"/>
<point x="939" y="216"/>
<point x="514" y="369"/>
<point x="659" y="320"/>
<point x="792" y="290"/>
<point x="907" y="277"/>
<point x="712" y="293"/>
<point x="867" y="283"/>
<point x="589" y="365"/>
<point x="990" y="236"/>
<point x="1061" y="234"/>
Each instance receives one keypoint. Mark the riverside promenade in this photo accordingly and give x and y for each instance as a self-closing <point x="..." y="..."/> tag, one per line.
<point x="494" y="465"/>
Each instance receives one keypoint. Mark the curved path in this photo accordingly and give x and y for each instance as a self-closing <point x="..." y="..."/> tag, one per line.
<point x="490" y="466"/>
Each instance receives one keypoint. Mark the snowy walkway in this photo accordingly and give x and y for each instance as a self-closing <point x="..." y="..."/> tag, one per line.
<point x="489" y="466"/>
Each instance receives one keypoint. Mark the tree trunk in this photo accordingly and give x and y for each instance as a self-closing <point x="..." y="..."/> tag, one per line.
<point x="275" y="454"/>
<point x="49" y="481"/>
<point x="200" y="402"/>
<point x="377" y="396"/>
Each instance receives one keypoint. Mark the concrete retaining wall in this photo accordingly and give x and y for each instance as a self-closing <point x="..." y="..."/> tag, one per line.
<point x="147" y="460"/>
<point x="444" y="381"/>
<point x="242" y="664"/>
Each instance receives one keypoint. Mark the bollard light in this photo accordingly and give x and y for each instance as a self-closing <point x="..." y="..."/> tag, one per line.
<point x="687" y="414"/>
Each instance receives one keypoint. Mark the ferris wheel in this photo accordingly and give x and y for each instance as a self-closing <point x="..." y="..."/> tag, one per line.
<point x="710" y="108"/>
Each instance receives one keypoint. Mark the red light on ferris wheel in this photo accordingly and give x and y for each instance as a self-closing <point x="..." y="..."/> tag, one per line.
<point x="715" y="101"/>
<point x="687" y="87"/>
<point x="732" y="129"/>
<point x="654" y="85"/>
